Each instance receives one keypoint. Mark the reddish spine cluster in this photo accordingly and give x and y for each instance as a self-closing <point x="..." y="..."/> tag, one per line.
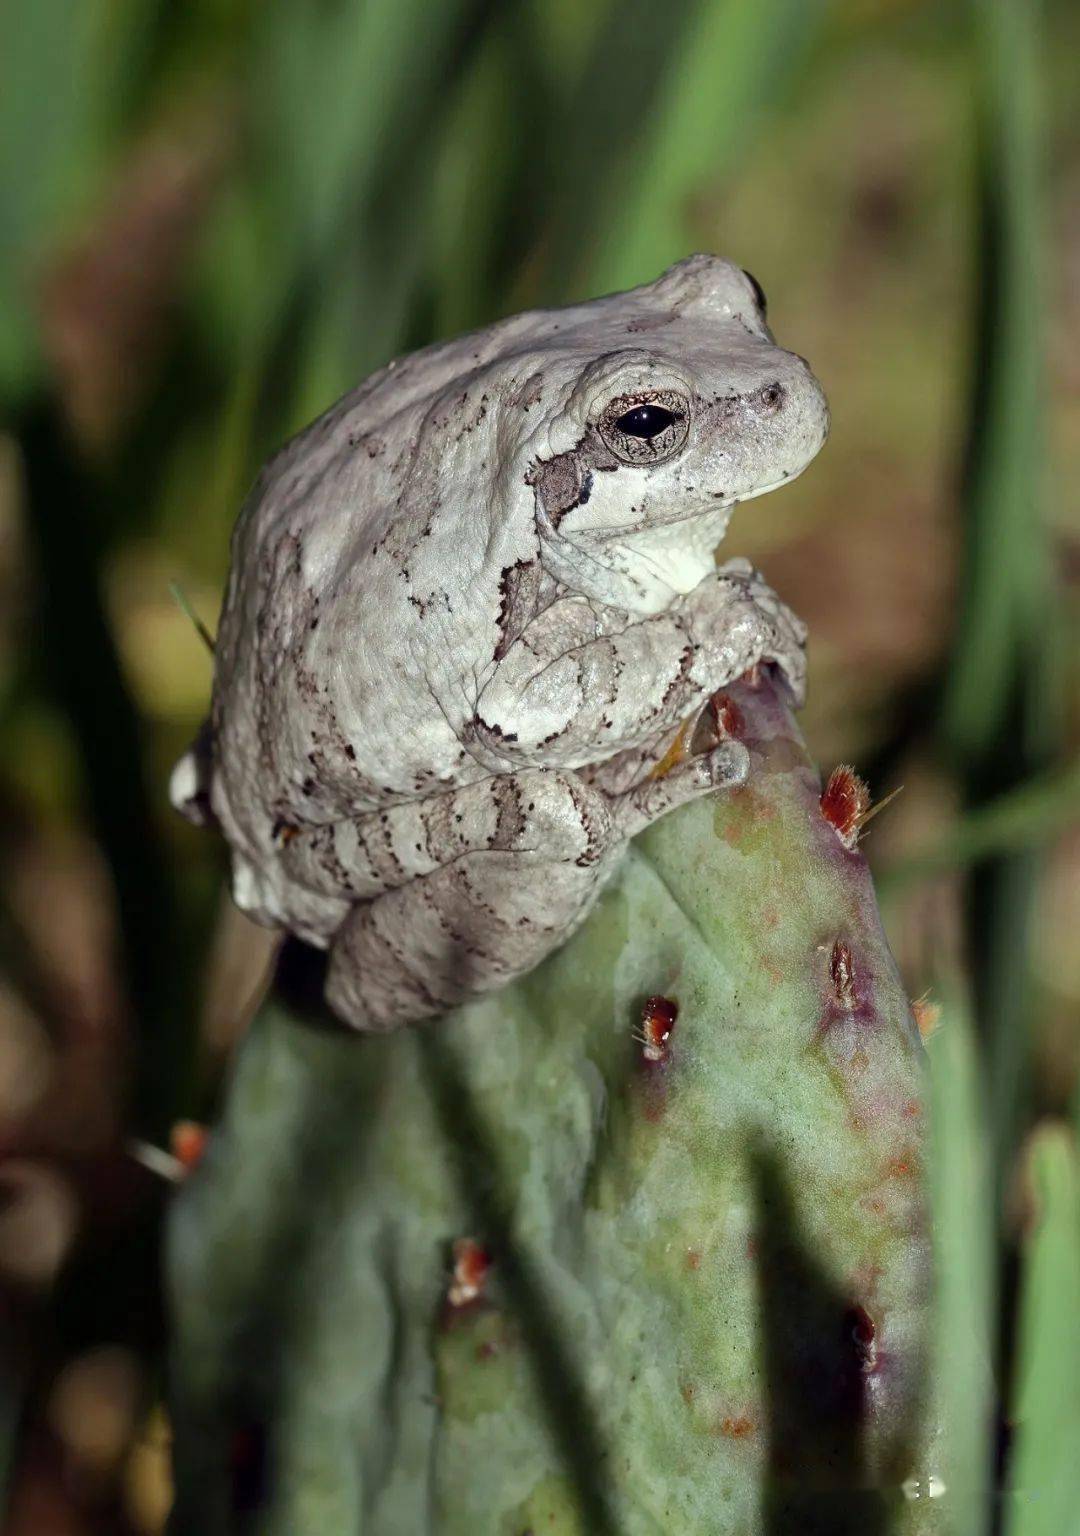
<point x="863" y="1333"/>
<point x="658" y="1017"/>
<point x="471" y="1265"/>
<point x="927" y="1015"/>
<point x="842" y="975"/>
<point x="726" y="716"/>
<point x="845" y="804"/>
<point x="187" y="1143"/>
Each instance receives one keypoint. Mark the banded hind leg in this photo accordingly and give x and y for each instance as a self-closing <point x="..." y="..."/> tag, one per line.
<point x="493" y="912"/>
<point x="488" y="913"/>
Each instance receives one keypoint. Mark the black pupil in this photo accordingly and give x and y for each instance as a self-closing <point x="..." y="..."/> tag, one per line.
<point x="646" y="421"/>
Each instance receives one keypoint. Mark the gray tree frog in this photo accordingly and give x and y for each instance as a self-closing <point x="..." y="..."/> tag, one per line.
<point x="467" y="611"/>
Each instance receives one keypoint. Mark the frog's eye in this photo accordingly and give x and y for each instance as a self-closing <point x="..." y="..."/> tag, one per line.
<point x="646" y="428"/>
<point x="759" y="293"/>
<point x="646" y="421"/>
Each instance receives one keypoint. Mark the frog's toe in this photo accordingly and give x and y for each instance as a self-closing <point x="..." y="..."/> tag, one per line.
<point x="725" y="767"/>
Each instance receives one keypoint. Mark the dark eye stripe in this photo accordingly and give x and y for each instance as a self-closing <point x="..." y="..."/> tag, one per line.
<point x="646" y="421"/>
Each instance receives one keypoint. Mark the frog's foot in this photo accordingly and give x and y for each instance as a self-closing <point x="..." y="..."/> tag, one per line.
<point x="782" y="634"/>
<point x="725" y="766"/>
<point x="486" y="916"/>
<point x="189" y="782"/>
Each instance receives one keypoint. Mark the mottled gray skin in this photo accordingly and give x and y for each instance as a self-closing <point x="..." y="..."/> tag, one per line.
<point x="466" y="613"/>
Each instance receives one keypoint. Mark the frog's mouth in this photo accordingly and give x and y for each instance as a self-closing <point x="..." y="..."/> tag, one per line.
<point x="601" y="532"/>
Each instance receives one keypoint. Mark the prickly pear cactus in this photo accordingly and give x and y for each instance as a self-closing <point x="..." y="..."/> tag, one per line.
<point x="638" y="1245"/>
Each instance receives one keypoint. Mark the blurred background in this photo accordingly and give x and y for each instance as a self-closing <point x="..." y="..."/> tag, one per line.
<point x="217" y="215"/>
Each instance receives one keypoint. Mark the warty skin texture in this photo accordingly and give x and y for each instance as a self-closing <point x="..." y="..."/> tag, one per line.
<point x="467" y="611"/>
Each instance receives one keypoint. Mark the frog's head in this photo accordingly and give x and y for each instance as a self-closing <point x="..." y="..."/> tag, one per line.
<point x="658" y="440"/>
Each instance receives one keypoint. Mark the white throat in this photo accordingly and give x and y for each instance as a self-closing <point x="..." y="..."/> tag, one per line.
<point x="640" y="572"/>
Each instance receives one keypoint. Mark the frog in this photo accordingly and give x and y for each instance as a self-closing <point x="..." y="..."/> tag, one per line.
<point x="469" y="611"/>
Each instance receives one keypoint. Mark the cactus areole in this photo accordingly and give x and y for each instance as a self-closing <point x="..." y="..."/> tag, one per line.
<point x="633" y="1240"/>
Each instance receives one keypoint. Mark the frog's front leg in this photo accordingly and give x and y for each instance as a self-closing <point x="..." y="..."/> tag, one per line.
<point x="572" y="704"/>
<point x="726" y="766"/>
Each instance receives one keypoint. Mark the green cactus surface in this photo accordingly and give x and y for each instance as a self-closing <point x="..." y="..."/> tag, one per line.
<point x="575" y="1261"/>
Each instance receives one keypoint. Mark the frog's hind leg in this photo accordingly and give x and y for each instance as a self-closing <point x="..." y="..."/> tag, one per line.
<point x="521" y="859"/>
<point x="486" y="915"/>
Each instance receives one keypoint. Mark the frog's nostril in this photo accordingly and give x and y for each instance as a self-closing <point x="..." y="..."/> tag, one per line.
<point x="771" y="397"/>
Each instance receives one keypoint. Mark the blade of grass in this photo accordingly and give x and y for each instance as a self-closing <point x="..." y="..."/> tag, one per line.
<point x="472" y="184"/>
<point x="964" y="1267"/>
<point x="48" y="145"/>
<point x="1013" y="822"/>
<point x="1044" y="1481"/>
<point x="996" y="690"/>
<point x="345" y="95"/>
<point x="667" y="97"/>
<point x="731" y="65"/>
<point x="613" y="104"/>
<point x="66" y="69"/>
<point x="997" y="723"/>
<point x="84" y="673"/>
